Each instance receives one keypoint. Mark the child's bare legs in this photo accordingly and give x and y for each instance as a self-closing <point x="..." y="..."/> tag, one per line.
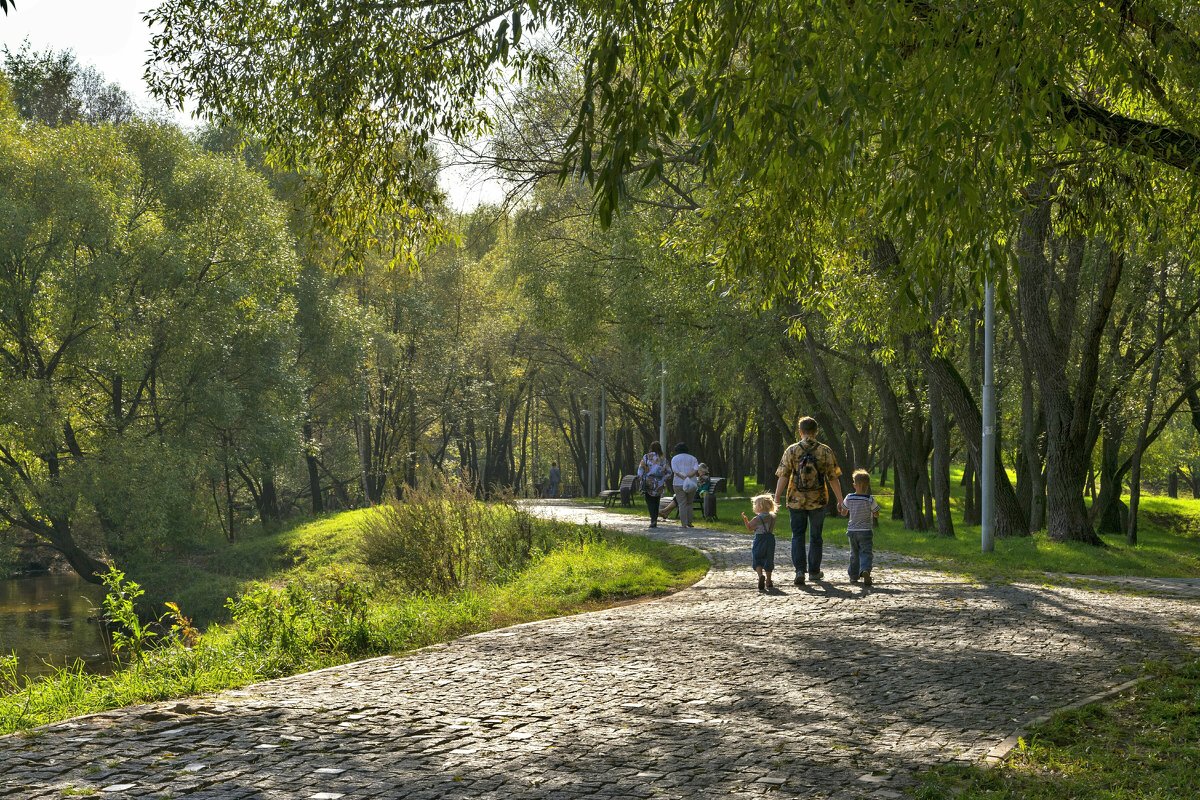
<point x="770" y="585"/>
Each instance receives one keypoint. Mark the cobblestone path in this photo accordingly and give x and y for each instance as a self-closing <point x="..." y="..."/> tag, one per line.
<point x="717" y="691"/>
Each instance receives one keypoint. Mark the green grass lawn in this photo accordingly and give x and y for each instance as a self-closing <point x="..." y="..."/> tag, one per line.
<point x="1169" y="542"/>
<point x="1145" y="744"/>
<point x="310" y="602"/>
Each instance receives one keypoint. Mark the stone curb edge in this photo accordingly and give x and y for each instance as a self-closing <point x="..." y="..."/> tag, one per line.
<point x="1001" y="751"/>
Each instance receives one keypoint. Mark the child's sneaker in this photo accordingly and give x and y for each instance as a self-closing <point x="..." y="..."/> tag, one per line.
<point x="866" y="578"/>
<point x="762" y="583"/>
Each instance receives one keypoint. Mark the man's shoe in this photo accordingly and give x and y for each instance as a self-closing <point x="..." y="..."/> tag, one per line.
<point x="854" y="579"/>
<point x="799" y="581"/>
<point x="866" y="579"/>
<point x="816" y="576"/>
<point x="762" y="583"/>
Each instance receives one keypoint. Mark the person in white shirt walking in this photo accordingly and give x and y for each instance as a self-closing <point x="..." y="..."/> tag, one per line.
<point x="684" y="467"/>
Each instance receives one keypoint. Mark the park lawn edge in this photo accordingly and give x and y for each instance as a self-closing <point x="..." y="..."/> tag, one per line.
<point x="1141" y="741"/>
<point x="72" y="694"/>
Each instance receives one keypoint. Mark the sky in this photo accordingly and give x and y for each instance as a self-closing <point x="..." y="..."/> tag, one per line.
<point x="112" y="36"/>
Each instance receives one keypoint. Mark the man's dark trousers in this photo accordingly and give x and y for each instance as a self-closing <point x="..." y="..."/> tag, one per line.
<point x="813" y="519"/>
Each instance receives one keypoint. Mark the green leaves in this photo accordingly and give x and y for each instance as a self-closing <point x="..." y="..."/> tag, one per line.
<point x="145" y="302"/>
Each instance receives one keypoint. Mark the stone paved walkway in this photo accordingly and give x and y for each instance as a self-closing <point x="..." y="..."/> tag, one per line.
<point x="717" y="691"/>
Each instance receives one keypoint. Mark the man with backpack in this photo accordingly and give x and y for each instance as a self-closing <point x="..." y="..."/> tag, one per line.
<point x="803" y="471"/>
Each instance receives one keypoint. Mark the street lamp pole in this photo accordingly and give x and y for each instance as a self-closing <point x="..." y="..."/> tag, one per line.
<point x="987" y="470"/>
<point x="662" y="407"/>
<point x="591" y="476"/>
<point x="603" y="440"/>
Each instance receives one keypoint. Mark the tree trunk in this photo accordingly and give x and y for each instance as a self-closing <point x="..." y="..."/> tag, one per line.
<point x="89" y="568"/>
<point x="230" y="530"/>
<point x="1010" y="518"/>
<point x="1109" y="513"/>
<point x="907" y="502"/>
<point x="1135" y="470"/>
<point x="857" y="449"/>
<point x="939" y="425"/>
<point x="1031" y="476"/>
<point x="1173" y="485"/>
<point x="268" y="509"/>
<point x="371" y="492"/>
<point x="972" y="511"/>
<point x="1068" y="414"/>
<point x="314" y="475"/>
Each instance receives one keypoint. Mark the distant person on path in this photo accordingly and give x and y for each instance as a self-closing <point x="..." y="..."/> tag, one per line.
<point x="762" y="550"/>
<point x="863" y="512"/>
<point x="555" y="479"/>
<point x="703" y="483"/>
<point x="684" y="468"/>
<point x="653" y="472"/>
<point x="803" y="471"/>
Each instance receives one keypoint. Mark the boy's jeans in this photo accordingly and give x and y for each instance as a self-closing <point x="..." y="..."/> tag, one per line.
<point x="860" y="553"/>
<point x="803" y="518"/>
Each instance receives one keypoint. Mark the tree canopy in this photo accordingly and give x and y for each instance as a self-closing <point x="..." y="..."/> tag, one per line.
<point x="939" y="114"/>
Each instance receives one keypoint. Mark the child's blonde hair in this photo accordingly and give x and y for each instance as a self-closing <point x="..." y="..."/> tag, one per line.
<point x="862" y="478"/>
<point x="763" y="503"/>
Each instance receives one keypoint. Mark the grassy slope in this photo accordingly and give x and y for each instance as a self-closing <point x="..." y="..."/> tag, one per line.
<point x="578" y="575"/>
<point x="201" y="579"/>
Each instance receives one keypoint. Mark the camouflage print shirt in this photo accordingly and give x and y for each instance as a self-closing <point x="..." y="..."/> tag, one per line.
<point x="808" y="499"/>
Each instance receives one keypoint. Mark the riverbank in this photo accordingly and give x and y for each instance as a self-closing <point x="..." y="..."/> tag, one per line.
<point x="305" y="598"/>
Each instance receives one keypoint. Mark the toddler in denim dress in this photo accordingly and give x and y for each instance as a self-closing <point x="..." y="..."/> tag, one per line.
<point x="762" y="551"/>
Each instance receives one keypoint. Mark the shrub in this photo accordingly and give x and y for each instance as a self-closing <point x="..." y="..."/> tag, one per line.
<point x="426" y="543"/>
<point x="442" y="540"/>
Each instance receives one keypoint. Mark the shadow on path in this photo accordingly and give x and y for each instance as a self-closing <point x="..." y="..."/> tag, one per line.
<point x="826" y="690"/>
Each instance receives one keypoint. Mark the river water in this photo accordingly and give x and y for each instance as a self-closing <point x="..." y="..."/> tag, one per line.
<point x="44" y="619"/>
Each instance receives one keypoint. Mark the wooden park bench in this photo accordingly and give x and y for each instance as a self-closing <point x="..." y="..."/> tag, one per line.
<point x="706" y="506"/>
<point x="624" y="493"/>
<point x="701" y="503"/>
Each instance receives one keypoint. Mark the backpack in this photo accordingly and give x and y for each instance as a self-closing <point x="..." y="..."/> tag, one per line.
<point x="808" y="472"/>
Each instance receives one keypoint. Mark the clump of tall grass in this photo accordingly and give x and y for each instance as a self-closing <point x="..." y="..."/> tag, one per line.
<point x="440" y="539"/>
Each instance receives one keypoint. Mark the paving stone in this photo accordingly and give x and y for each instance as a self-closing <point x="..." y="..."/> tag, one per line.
<point x="714" y="691"/>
